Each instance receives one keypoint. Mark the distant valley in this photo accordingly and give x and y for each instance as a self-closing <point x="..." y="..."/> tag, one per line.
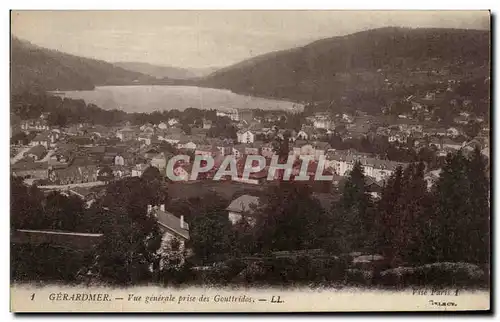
<point x="161" y="72"/>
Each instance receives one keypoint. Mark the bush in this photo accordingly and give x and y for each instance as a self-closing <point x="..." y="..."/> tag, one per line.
<point x="358" y="277"/>
<point x="443" y="274"/>
<point x="451" y="274"/>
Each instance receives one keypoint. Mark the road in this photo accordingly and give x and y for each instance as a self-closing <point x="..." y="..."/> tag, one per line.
<point x="74" y="185"/>
<point x="20" y="155"/>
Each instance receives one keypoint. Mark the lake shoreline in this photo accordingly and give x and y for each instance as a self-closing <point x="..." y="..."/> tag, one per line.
<point x="111" y="97"/>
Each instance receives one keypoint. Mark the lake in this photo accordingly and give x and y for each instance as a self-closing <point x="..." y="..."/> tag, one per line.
<point x="158" y="98"/>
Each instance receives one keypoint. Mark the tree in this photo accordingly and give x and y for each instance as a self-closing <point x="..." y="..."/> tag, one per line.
<point x="472" y="129"/>
<point x="289" y="218"/>
<point x="448" y="225"/>
<point x="25" y="205"/>
<point x="412" y="213"/>
<point x="210" y="228"/>
<point x="353" y="213"/>
<point x="386" y="211"/>
<point x="478" y="248"/>
<point x="151" y="174"/>
<point x="63" y="213"/>
<point x="128" y="253"/>
<point x="186" y="128"/>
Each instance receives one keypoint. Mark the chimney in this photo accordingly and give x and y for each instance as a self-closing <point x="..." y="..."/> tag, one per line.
<point x="182" y="221"/>
<point x="150" y="209"/>
<point x="162" y="207"/>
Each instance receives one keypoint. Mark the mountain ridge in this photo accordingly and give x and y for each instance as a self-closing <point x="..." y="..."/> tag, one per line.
<point x="327" y="68"/>
<point x="37" y="68"/>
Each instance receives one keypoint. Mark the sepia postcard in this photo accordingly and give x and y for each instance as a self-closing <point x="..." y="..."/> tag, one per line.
<point x="250" y="161"/>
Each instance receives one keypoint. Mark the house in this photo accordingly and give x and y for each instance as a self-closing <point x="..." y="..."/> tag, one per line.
<point x="74" y="174"/>
<point x="231" y="113"/>
<point x="119" y="160"/>
<point x="451" y="144"/>
<point x="310" y="133"/>
<point x="314" y="149"/>
<point x="120" y="171"/>
<point x="163" y="126"/>
<point x="41" y="139"/>
<point x="105" y="174"/>
<point x="373" y="187"/>
<point x="409" y="128"/>
<point x="207" y="124"/>
<point x="173" y="121"/>
<point x="59" y="158"/>
<point x="358" y="130"/>
<point x="187" y="144"/>
<point x="342" y="163"/>
<point x="397" y="137"/>
<point x="175" y="234"/>
<point x="34" y="125"/>
<point x="243" y="208"/>
<point x="126" y="134"/>
<point x="31" y="170"/>
<point x="36" y="153"/>
<point x="87" y="194"/>
<point x="145" y="138"/>
<point x="322" y="121"/>
<point x="147" y="128"/>
<point x="172" y="138"/>
<point x="435" y="131"/>
<point x="245" y="136"/>
<point x="139" y="169"/>
<point x="159" y="161"/>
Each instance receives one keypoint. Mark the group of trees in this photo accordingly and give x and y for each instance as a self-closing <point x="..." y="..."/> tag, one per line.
<point x="128" y="252"/>
<point x="449" y="222"/>
<point x="408" y="223"/>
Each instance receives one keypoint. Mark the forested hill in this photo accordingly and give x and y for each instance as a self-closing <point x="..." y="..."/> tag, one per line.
<point x="34" y="67"/>
<point x="328" y="69"/>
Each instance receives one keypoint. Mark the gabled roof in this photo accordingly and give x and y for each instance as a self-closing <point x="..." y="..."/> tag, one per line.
<point x="321" y="145"/>
<point x="172" y="223"/>
<point x="244" y="204"/>
<point x="38" y="151"/>
<point x="25" y="166"/>
<point x="41" y="137"/>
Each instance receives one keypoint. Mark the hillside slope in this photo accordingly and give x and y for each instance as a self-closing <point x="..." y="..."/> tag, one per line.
<point x="34" y="67"/>
<point x="363" y="62"/>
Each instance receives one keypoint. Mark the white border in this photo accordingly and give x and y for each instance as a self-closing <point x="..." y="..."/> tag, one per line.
<point x="190" y="4"/>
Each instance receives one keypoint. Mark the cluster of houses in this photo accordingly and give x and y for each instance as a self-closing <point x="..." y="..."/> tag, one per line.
<point x="85" y="153"/>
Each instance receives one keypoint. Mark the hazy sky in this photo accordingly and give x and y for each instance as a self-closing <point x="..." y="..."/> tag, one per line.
<point x="210" y="38"/>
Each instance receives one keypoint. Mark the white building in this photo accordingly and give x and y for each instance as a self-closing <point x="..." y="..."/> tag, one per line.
<point x="175" y="234"/>
<point x="375" y="168"/>
<point x="243" y="208"/>
<point x="246" y="136"/>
